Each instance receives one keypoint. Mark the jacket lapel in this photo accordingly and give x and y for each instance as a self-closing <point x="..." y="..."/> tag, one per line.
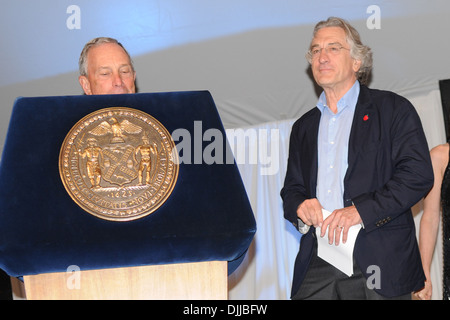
<point x="363" y="119"/>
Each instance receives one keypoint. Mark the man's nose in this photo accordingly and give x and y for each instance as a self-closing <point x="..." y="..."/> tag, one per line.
<point x="117" y="80"/>
<point x="323" y="55"/>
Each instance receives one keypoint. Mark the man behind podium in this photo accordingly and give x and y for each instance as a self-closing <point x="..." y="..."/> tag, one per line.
<point x="106" y="68"/>
<point x="362" y="155"/>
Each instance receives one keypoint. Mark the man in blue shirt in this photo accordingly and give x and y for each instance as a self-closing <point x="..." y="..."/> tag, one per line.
<point x="361" y="154"/>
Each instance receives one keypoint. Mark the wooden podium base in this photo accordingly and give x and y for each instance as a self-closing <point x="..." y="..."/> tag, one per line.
<point x="187" y="281"/>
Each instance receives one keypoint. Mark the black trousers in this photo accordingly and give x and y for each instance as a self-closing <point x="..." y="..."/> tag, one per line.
<point x="325" y="282"/>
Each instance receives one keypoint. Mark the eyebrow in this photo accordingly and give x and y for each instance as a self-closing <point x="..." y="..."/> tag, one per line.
<point x="331" y="43"/>
<point x="120" y="67"/>
<point x="125" y="65"/>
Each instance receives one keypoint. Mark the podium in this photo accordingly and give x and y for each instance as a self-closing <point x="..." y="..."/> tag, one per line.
<point x="183" y="250"/>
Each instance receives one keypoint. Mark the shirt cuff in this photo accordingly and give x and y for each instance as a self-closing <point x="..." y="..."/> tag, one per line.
<point x="302" y="227"/>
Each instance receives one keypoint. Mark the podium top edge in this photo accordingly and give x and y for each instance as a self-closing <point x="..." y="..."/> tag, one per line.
<point x="181" y="92"/>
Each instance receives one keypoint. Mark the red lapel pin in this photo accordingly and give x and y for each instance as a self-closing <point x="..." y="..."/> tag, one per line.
<point x="366" y="117"/>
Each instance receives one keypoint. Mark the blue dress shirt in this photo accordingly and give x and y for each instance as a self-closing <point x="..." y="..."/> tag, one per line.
<point x="333" y="138"/>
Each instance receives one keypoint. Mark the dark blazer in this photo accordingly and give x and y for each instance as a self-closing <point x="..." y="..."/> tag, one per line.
<point x="389" y="170"/>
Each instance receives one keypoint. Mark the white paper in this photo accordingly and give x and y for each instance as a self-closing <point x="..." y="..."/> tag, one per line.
<point x="340" y="256"/>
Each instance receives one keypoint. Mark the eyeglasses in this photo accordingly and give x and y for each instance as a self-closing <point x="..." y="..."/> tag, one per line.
<point x="331" y="49"/>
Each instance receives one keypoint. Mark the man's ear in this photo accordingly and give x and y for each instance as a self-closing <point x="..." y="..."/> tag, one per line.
<point x="356" y="65"/>
<point x="85" y="84"/>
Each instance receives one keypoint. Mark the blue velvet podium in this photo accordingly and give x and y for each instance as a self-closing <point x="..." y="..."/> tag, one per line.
<point x="207" y="218"/>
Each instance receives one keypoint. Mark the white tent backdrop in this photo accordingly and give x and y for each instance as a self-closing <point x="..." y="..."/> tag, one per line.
<point x="250" y="55"/>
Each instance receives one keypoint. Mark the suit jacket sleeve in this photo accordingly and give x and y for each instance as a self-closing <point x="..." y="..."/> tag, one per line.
<point x="293" y="192"/>
<point x="300" y="181"/>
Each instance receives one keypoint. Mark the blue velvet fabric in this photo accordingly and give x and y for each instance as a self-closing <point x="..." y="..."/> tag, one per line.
<point x="207" y="217"/>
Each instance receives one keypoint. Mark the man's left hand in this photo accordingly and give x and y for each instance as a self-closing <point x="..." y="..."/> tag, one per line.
<point x="339" y="222"/>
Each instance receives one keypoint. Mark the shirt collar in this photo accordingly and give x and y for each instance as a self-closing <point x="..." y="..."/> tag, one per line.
<point x="348" y="100"/>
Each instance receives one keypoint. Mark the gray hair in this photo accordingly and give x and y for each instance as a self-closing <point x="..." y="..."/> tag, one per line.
<point x="358" y="51"/>
<point x="82" y="63"/>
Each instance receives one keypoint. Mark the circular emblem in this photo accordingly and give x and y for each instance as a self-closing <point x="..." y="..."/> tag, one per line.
<point x="119" y="164"/>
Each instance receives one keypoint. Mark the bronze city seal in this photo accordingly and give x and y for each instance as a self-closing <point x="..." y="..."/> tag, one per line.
<point x="119" y="164"/>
